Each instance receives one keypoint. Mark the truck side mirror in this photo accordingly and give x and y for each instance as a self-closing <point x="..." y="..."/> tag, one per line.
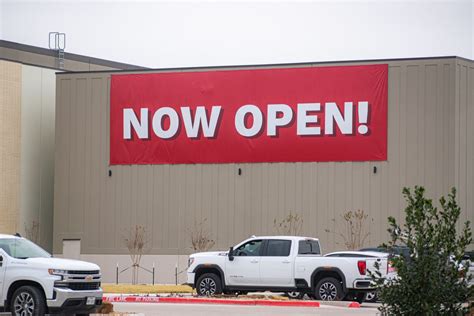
<point x="231" y="254"/>
<point x="1" y="261"/>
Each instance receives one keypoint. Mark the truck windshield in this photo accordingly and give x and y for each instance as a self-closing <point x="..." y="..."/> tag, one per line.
<point x="20" y="248"/>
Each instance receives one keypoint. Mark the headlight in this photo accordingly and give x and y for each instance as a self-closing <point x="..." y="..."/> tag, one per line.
<point x="57" y="272"/>
<point x="190" y="261"/>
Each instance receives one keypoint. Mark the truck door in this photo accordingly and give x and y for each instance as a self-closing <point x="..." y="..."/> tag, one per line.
<point x="277" y="265"/>
<point x="244" y="270"/>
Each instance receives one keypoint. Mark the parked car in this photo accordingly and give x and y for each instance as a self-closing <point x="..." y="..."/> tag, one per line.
<point x="395" y="250"/>
<point x="280" y="264"/>
<point x="34" y="283"/>
<point x="469" y="259"/>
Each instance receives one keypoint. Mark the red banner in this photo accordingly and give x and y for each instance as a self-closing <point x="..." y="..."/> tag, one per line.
<point x="259" y="115"/>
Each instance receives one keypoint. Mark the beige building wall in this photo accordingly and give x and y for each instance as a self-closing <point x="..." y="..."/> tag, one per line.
<point x="10" y="145"/>
<point x="38" y="97"/>
<point x="429" y="143"/>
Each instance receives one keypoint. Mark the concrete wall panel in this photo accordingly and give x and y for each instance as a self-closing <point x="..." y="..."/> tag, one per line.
<point x="37" y="159"/>
<point x="10" y="145"/>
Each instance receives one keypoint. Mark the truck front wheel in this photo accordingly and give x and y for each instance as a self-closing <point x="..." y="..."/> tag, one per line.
<point x="328" y="289"/>
<point x="28" y="300"/>
<point x="208" y="284"/>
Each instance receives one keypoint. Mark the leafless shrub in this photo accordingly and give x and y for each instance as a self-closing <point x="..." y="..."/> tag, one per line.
<point x="200" y="236"/>
<point x="289" y="225"/>
<point x="32" y="231"/>
<point x="354" y="232"/>
<point x="136" y="244"/>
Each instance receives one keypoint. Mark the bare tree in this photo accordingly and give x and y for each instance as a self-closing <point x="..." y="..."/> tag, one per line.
<point x="354" y="232"/>
<point x="136" y="244"/>
<point x="289" y="225"/>
<point x="200" y="236"/>
<point x="32" y="231"/>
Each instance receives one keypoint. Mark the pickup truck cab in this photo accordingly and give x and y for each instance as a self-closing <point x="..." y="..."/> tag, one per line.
<point x="281" y="264"/>
<point x="34" y="283"/>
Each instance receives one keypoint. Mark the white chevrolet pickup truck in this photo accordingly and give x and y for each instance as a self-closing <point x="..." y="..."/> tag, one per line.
<point x="282" y="264"/>
<point x="34" y="283"/>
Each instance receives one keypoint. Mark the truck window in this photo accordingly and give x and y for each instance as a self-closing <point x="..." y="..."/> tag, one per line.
<point x="308" y="247"/>
<point x="251" y="249"/>
<point x="278" y="248"/>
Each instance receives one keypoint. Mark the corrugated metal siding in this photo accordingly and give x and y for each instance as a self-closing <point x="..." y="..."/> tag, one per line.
<point x="464" y="118"/>
<point x="168" y="199"/>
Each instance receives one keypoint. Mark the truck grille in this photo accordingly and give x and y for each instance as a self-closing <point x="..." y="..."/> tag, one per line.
<point x="83" y="286"/>
<point x="83" y="272"/>
<point x="80" y="280"/>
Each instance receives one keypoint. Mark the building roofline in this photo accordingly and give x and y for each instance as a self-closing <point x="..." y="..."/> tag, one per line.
<point x="266" y="65"/>
<point x="68" y="56"/>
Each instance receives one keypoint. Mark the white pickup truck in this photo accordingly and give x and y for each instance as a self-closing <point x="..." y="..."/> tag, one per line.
<point x="34" y="283"/>
<point x="282" y="264"/>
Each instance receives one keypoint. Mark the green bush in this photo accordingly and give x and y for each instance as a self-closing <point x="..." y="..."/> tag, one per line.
<point x="432" y="280"/>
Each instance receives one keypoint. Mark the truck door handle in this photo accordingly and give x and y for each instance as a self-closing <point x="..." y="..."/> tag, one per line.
<point x="286" y="261"/>
<point x="254" y="261"/>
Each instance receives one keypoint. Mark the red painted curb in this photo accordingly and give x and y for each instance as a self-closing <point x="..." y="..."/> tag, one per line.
<point x="131" y="299"/>
<point x="354" y="305"/>
<point x="194" y="300"/>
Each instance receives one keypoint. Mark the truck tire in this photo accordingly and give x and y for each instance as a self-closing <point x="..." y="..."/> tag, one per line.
<point x="295" y="295"/>
<point x="371" y="297"/>
<point x="28" y="300"/>
<point x="328" y="289"/>
<point x="209" y="284"/>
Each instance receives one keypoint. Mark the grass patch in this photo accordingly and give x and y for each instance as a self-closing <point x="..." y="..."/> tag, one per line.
<point x="145" y="288"/>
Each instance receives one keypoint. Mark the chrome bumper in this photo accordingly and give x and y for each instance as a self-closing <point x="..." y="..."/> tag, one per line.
<point x="62" y="295"/>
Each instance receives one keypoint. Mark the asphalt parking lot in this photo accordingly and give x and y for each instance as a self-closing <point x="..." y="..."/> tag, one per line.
<point x="237" y="310"/>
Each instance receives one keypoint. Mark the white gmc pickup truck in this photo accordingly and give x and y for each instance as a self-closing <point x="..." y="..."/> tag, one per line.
<point x="34" y="283"/>
<point x="283" y="264"/>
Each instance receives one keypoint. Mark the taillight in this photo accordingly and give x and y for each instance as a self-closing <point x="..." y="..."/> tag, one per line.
<point x="362" y="267"/>
<point x="390" y="267"/>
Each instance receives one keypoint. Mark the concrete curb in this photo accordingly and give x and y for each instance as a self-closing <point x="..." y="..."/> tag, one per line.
<point x="195" y="300"/>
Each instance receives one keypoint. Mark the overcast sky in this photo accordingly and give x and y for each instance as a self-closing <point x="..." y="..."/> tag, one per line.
<point x="201" y="33"/>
